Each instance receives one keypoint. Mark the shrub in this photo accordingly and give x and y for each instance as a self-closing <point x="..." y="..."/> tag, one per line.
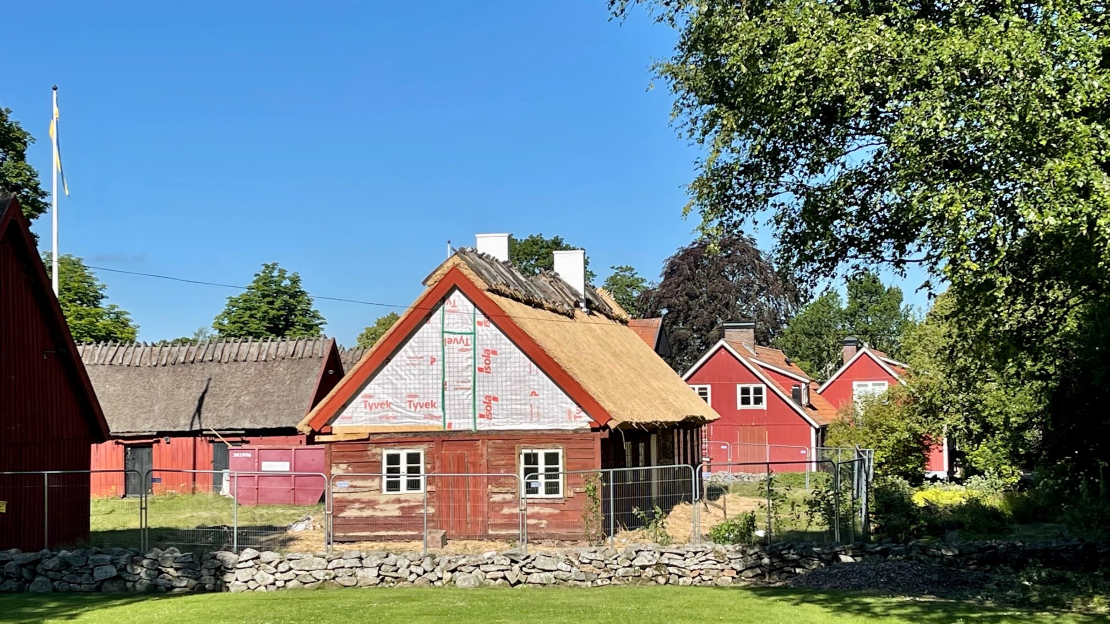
<point x="1088" y="516"/>
<point x="1029" y="507"/>
<point x="654" y="524"/>
<point x="978" y="517"/>
<point x="894" y="516"/>
<point x="738" y="530"/>
<point x="942" y="496"/>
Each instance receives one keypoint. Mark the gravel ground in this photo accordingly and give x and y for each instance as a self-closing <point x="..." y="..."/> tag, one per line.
<point x="899" y="578"/>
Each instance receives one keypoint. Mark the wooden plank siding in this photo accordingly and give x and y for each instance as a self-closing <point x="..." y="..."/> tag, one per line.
<point x="467" y="508"/>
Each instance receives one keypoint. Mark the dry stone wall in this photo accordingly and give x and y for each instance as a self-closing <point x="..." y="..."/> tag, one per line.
<point x="172" y="571"/>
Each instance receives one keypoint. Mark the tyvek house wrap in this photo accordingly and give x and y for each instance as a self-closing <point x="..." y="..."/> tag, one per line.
<point x="460" y="360"/>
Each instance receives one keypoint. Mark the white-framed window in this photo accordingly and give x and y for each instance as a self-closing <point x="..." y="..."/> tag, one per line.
<point x="864" y="389"/>
<point x="703" y="392"/>
<point x="541" y="470"/>
<point x="403" y="471"/>
<point x="751" y="396"/>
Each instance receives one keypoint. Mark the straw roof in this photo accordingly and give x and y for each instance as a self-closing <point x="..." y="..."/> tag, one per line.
<point x="595" y="348"/>
<point x="223" y="385"/>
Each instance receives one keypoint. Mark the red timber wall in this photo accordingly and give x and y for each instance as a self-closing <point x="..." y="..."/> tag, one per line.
<point x="179" y="453"/>
<point x="749" y="431"/>
<point x="43" y="422"/>
<point x="839" y="392"/>
<point x="464" y="507"/>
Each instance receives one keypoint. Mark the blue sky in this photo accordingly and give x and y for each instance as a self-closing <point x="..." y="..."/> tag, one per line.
<point x="346" y="141"/>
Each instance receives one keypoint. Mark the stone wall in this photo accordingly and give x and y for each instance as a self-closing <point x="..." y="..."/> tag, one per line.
<point x="172" y="571"/>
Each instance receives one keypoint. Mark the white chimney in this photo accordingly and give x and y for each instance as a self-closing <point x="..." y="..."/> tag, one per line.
<point x="496" y="245"/>
<point x="570" y="265"/>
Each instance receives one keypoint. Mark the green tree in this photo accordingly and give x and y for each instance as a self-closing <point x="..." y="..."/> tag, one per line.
<point x="891" y="428"/>
<point x="82" y="298"/>
<point x="373" y="333"/>
<point x="625" y="284"/>
<point x="202" y="334"/>
<point x="274" y="305"/>
<point x="532" y="255"/>
<point x="712" y="281"/>
<point x="16" y="175"/>
<point x="874" y="314"/>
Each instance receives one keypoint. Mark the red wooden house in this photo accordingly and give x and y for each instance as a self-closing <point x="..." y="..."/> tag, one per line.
<point x="868" y="372"/>
<point x="770" y="410"/>
<point x="49" y="415"/>
<point x="652" y="332"/>
<point x="491" y="372"/>
<point x="183" y="407"/>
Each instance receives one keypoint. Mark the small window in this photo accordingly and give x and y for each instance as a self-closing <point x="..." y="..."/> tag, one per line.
<point x="864" y="389"/>
<point x="541" y="470"/>
<point x="703" y="392"/>
<point x="403" y="471"/>
<point x="751" y="396"/>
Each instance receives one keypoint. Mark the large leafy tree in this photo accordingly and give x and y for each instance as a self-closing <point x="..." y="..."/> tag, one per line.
<point x="83" y="301"/>
<point x="532" y="255"/>
<point x="712" y="281"/>
<point x="16" y="175"/>
<point x="625" y="284"/>
<point x="967" y="137"/>
<point x="274" y="305"/>
<point x="374" y="333"/>
<point x="875" y="314"/>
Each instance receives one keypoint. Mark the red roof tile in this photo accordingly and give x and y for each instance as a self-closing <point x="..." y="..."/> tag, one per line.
<point x="647" y="329"/>
<point x="819" y="409"/>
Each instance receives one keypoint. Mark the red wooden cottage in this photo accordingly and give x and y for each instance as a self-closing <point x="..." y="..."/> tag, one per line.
<point x="184" y="407"/>
<point x="652" y="332"/>
<point x="491" y="372"/>
<point x="770" y="410"/>
<point x="49" y="415"/>
<point x="869" y="372"/>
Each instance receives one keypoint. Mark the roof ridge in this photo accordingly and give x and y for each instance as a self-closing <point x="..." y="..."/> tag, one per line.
<point x="222" y="351"/>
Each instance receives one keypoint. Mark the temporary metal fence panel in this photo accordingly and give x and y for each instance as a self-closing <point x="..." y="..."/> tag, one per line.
<point x="183" y="511"/>
<point x="427" y="508"/>
<point x="54" y="509"/>
<point x="655" y="503"/>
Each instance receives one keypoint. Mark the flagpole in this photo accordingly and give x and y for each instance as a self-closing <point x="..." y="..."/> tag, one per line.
<point x="54" y="195"/>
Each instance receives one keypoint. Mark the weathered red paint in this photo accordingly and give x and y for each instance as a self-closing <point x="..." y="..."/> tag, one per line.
<point x="748" y="431"/>
<point x="302" y="489"/>
<point x="48" y="413"/>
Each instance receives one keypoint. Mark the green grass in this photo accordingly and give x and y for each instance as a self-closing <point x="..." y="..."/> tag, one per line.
<point x="632" y="605"/>
<point x="172" y="518"/>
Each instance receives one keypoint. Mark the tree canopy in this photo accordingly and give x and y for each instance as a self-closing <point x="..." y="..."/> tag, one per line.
<point x="373" y="333"/>
<point x="532" y="255"/>
<point x="712" y="281"/>
<point x="274" y="305"/>
<point x="874" y="314"/>
<point x="82" y="298"/>
<point x="625" y="284"/>
<point x="16" y="175"/>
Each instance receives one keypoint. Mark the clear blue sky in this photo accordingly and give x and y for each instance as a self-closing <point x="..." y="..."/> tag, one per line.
<point x="346" y="141"/>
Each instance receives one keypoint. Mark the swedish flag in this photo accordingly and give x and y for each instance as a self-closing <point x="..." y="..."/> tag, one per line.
<point x="57" y="144"/>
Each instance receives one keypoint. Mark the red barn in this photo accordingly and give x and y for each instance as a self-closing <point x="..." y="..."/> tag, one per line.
<point x="770" y="410"/>
<point x="492" y="372"/>
<point x="49" y="415"/>
<point x="183" y="406"/>
<point x="867" y="372"/>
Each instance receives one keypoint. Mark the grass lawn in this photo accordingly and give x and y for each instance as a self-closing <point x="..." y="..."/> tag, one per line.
<point x="633" y="605"/>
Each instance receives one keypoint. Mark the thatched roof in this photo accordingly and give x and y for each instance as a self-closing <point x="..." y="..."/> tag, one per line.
<point x="596" y="348"/>
<point x="224" y="385"/>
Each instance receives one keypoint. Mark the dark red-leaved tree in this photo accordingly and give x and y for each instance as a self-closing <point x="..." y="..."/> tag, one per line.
<point x="712" y="281"/>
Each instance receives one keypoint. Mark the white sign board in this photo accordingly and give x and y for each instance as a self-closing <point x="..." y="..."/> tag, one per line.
<point x="275" y="466"/>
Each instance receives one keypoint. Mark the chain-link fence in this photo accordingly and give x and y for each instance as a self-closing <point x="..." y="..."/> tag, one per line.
<point x="264" y="510"/>
<point x="772" y="502"/>
<point x="67" y="509"/>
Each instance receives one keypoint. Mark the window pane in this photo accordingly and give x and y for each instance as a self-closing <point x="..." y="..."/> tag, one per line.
<point x="757" y="395"/>
<point x="392" y="459"/>
<point x="412" y="485"/>
<point x="551" y="460"/>
<point x="392" y="470"/>
<point x="413" y="458"/>
<point x="532" y="487"/>
<point x="551" y="487"/>
<point x="392" y="485"/>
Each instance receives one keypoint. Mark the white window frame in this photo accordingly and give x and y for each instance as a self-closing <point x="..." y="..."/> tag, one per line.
<point x="708" y="392"/>
<point x="403" y="477"/>
<point x="870" y="389"/>
<point x="542" y="477"/>
<point x="763" y="394"/>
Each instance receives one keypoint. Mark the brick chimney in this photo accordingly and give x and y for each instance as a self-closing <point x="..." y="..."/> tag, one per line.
<point x="742" y="332"/>
<point x="851" y="345"/>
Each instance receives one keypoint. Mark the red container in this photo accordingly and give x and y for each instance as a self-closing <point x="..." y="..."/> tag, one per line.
<point x="279" y="488"/>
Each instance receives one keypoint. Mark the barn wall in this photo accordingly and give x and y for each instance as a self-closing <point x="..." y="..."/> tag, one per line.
<point x="749" y="430"/>
<point x="474" y="507"/>
<point x="839" y="392"/>
<point x="43" y="421"/>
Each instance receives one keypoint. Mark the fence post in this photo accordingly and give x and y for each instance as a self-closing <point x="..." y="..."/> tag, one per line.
<point x="836" y="500"/>
<point x="612" y="510"/>
<point x="45" y="510"/>
<point x="695" y="496"/>
<point x="235" y="513"/>
<point x="768" y="503"/>
<point x="425" y="553"/>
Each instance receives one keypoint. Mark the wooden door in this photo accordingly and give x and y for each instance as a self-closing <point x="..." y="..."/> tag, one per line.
<point x="139" y="458"/>
<point x="461" y="502"/>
